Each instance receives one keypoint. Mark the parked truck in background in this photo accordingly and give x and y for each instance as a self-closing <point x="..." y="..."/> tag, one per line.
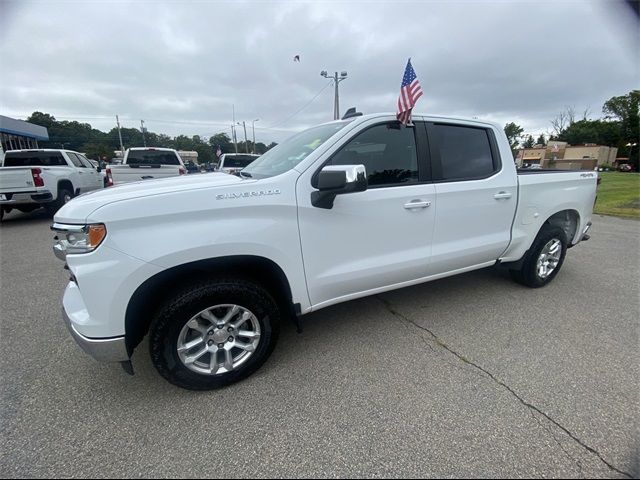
<point x="234" y="162"/>
<point x="146" y="163"/>
<point x="207" y="266"/>
<point x="49" y="178"/>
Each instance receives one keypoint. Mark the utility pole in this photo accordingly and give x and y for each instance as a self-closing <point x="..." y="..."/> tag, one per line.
<point x="120" y="136"/>
<point x="233" y="128"/>
<point x="246" y="145"/>
<point x="336" y="97"/>
<point x="253" y="126"/>
<point x="233" y="137"/>
<point x="144" y="140"/>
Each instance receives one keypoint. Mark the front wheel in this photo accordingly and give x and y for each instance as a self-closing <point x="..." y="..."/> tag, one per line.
<point x="214" y="334"/>
<point x="544" y="259"/>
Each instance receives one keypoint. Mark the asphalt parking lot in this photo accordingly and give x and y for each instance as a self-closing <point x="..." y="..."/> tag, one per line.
<point x="471" y="376"/>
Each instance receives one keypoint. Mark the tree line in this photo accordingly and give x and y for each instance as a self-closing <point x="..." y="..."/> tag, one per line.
<point x="82" y="137"/>
<point x="619" y="126"/>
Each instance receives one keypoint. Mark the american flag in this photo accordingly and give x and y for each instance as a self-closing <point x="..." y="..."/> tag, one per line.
<point x="218" y="152"/>
<point x="410" y="92"/>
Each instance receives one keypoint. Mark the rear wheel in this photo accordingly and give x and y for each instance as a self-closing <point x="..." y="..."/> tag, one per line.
<point x="544" y="259"/>
<point x="64" y="196"/>
<point x="214" y="334"/>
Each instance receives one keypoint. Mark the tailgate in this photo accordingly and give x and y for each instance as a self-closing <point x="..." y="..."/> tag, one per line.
<point x="136" y="173"/>
<point x="16" y="180"/>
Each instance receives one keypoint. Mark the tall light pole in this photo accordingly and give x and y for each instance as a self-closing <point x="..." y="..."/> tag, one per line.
<point x="631" y="145"/>
<point x="336" y="98"/>
<point x="119" y="136"/>
<point x="144" y="140"/>
<point x="233" y="136"/>
<point x="246" y="145"/>
<point x="253" y="127"/>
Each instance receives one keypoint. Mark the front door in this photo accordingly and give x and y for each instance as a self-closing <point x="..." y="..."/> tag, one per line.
<point x="377" y="238"/>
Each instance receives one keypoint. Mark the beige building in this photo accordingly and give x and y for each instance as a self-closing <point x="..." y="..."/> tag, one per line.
<point x="562" y="156"/>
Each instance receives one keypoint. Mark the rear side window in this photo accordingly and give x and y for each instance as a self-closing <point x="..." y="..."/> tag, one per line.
<point x="152" y="157"/>
<point x="34" y="159"/>
<point x="465" y="152"/>
<point x="75" y="160"/>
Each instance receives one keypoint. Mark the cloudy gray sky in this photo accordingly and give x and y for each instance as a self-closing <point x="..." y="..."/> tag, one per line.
<point x="181" y="65"/>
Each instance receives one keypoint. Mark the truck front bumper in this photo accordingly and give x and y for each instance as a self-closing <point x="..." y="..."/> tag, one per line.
<point x="74" y="311"/>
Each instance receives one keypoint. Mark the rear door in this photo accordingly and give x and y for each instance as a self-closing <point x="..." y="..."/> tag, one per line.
<point x="476" y="195"/>
<point x="94" y="177"/>
<point x="83" y="179"/>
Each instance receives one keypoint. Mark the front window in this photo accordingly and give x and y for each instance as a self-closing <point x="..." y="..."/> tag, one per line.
<point x="292" y="151"/>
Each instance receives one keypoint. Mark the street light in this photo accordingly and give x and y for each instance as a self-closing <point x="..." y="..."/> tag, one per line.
<point x="253" y="126"/>
<point x="631" y="145"/>
<point x="336" y="98"/>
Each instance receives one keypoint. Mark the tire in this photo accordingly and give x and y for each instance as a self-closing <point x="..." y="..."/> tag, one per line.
<point x="64" y="195"/>
<point x="182" y="321"/>
<point x="537" y="274"/>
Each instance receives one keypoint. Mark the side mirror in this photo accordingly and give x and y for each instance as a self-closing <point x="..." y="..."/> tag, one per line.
<point x="337" y="180"/>
<point x="98" y="169"/>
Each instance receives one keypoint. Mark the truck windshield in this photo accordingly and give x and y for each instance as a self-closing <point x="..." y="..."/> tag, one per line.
<point x="152" y="157"/>
<point x="237" y="161"/>
<point x="291" y="152"/>
<point x="34" y="159"/>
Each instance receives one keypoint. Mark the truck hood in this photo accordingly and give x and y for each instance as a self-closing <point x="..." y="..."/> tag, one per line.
<point x="78" y="209"/>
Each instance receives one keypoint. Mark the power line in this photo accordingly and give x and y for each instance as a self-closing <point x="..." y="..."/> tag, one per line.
<point x="303" y="107"/>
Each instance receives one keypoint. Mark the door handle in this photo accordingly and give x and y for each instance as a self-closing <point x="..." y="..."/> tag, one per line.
<point x="417" y="204"/>
<point x="501" y="195"/>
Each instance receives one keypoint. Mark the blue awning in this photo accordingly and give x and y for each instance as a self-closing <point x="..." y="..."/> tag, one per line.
<point x="22" y="128"/>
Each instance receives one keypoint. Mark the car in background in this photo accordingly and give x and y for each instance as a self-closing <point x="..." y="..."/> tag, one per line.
<point x="234" y="162"/>
<point x="625" y="167"/>
<point x="146" y="163"/>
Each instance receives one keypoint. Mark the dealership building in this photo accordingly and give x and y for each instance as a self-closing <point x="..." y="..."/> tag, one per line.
<point x="18" y="134"/>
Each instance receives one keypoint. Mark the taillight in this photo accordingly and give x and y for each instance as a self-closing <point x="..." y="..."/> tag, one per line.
<point x="37" y="179"/>
<point x="109" y="178"/>
<point x="182" y="171"/>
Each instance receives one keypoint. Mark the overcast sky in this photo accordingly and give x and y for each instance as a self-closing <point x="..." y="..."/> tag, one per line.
<point x="181" y="65"/>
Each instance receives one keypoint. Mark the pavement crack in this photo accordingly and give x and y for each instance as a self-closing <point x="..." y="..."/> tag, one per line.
<point x="500" y="383"/>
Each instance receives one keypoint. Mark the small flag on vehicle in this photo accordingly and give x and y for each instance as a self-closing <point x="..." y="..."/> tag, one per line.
<point x="410" y="92"/>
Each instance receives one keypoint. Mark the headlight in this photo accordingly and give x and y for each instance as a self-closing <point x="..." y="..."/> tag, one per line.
<point x="74" y="239"/>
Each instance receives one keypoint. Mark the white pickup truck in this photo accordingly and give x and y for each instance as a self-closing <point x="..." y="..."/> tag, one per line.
<point x="207" y="266"/>
<point x="146" y="163"/>
<point x="30" y="179"/>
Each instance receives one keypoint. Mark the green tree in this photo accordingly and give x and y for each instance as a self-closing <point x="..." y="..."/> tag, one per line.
<point x="528" y="143"/>
<point x="541" y="140"/>
<point x="271" y="145"/>
<point x="625" y="109"/>
<point x="592" y="131"/>
<point x="222" y="140"/>
<point x="513" y="132"/>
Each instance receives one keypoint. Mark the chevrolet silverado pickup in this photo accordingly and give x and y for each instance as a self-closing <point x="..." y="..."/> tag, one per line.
<point x="30" y="179"/>
<point x="146" y="163"/>
<point x="207" y="266"/>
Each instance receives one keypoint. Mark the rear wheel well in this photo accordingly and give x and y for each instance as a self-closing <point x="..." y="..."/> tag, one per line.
<point x="568" y="221"/>
<point x="65" y="184"/>
<point x="151" y="295"/>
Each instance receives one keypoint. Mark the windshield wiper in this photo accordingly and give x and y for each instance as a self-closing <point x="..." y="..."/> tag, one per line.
<point x="245" y="174"/>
